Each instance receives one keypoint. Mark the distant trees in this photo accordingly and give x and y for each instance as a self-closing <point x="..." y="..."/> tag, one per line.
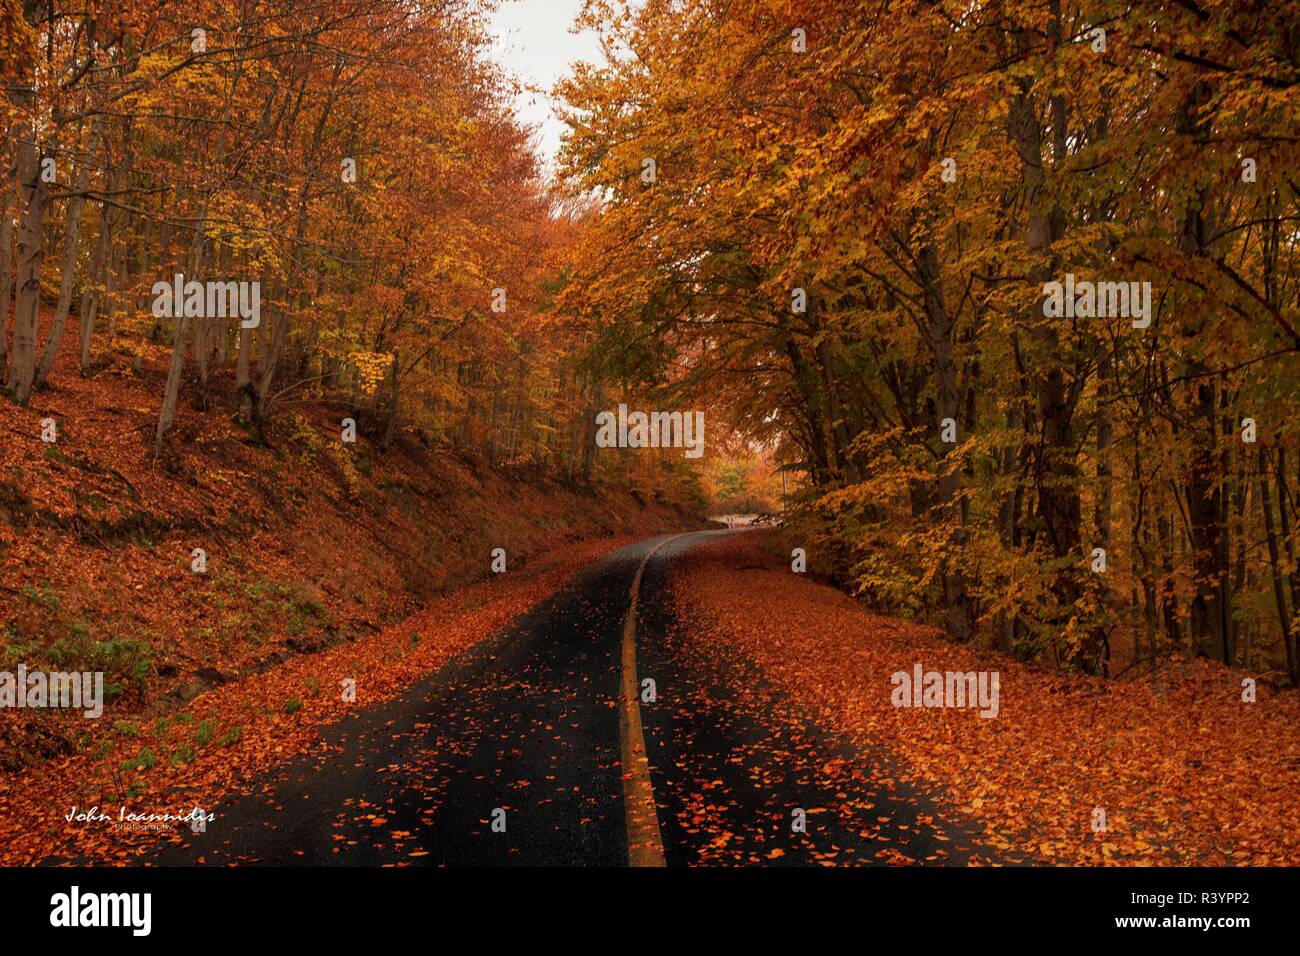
<point x="846" y="245"/>
<point x="742" y="484"/>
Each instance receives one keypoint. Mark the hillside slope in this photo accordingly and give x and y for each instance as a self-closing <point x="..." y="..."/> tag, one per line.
<point x="308" y="541"/>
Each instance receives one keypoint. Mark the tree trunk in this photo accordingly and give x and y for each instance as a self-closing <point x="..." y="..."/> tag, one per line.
<point x="6" y="263"/>
<point x="1056" y="478"/>
<point x="1105" y="479"/>
<point x="35" y="193"/>
<point x="1275" y="567"/>
<point x="173" y="387"/>
<point x="71" y="246"/>
<point x="938" y="331"/>
<point x="91" y="296"/>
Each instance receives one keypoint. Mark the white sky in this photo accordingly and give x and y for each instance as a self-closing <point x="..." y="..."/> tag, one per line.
<point x="533" y="40"/>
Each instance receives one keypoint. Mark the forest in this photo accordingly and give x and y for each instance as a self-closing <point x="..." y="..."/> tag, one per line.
<point x="837" y="229"/>
<point x="357" y="163"/>
<point x="650" y="433"/>
<point x="859" y="219"/>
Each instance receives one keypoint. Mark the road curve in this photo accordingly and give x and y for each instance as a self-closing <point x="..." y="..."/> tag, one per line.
<point x="513" y="754"/>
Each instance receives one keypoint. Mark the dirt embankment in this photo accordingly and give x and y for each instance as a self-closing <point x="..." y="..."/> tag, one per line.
<point x="234" y="552"/>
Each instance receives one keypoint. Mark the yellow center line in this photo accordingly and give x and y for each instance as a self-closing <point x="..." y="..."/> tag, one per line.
<point x="645" y="846"/>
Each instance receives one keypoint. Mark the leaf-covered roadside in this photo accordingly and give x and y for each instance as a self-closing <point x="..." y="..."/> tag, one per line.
<point x="1186" y="772"/>
<point x="216" y="744"/>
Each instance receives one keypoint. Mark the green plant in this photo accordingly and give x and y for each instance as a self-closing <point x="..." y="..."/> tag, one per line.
<point x="144" y="760"/>
<point x="204" y="733"/>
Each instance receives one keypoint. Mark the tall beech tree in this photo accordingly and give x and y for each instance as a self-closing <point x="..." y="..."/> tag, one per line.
<point x="1078" y="487"/>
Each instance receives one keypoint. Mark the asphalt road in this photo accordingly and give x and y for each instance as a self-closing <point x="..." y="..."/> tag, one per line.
<point x="513" y="754"/>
